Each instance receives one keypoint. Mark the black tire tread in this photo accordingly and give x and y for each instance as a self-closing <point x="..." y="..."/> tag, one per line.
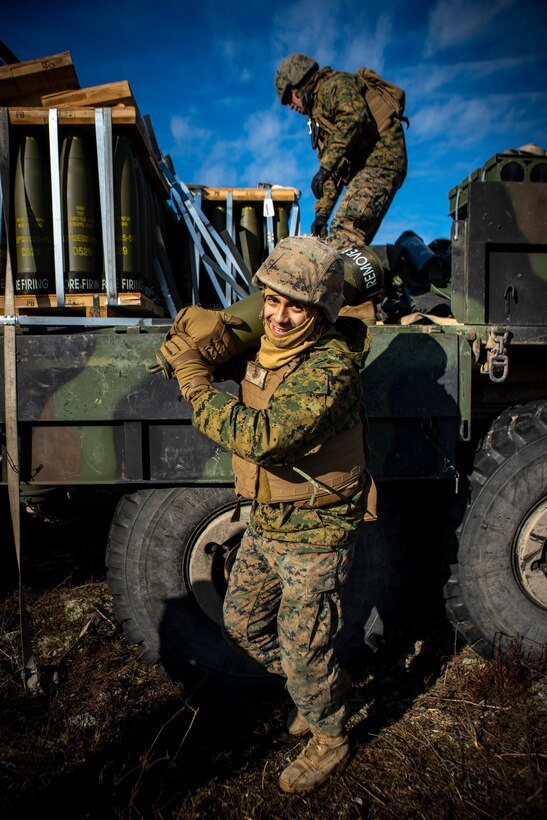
<point x="514" y="429"/>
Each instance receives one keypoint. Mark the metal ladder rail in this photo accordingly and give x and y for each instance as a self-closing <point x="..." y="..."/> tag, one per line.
<point x="211" y="235"/>
<point x="200" y="229"/>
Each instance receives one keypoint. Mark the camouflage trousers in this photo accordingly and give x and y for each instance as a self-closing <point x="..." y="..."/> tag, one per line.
<point x="362" y="207"/>
<point x="283" y="609"/>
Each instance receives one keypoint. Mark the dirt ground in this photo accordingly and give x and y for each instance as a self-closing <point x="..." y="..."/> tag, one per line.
<point x="436" y="731"/>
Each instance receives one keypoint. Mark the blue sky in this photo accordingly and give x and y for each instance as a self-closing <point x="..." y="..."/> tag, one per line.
<point x="474" y="72"/>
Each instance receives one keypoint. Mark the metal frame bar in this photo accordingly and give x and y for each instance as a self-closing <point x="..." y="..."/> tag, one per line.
<point x="294" y="226"/>
<point x="208" y="232"/>
<point x="81" y="321"/>
<point x="105" y="163"/>
<point x="201" y="231"/>
<point x="230" y="228"/>
<point x="268" y="213"/>
<point x="160" y="276"/>
<point x="56" y="210"/>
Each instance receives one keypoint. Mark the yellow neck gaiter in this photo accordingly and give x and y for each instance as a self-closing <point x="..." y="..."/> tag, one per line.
<point x="276" y="351"/>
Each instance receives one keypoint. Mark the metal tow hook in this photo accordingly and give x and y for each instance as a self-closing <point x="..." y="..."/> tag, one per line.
<point x="498" y="361"/>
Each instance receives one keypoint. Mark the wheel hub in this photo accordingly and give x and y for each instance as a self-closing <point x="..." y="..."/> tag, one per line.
<point x="211" y="557"/>
<point x="531" y="555"/>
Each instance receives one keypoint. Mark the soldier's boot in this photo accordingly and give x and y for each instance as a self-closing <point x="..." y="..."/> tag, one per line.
<point x="297" y="725"/>
<point x="323" y="756"/>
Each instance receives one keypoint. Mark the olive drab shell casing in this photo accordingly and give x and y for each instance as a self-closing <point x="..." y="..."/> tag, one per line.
<point x="250" y="310"/>
<point x="363" y="274"/>
<point x="82" y="244"/>
<point x="250" y="237"/>
<point x="281" y="221"/>
<point x="33" y="217"/>
<point x="218" y="217"/>
<point x="127" y="219"/>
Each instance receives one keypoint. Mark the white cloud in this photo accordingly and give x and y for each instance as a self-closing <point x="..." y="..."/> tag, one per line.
<point x="277" y="170"/>
<point x="457" y="22"/>
<point x="184" y="130"/>
<point x="427" y="79"/>
<point x="341" y="33"/>
<point x="456" y="122"/>
<point x="271" y="148"/>
<point x="264" y="131"/>
<point x="368" y="48"/>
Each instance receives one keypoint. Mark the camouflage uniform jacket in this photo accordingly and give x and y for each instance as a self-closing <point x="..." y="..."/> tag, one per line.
<point x="352" y="140"/>
<point x="320" y="397"/>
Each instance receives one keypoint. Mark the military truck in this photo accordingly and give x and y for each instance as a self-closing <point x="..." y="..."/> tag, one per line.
<point x="457" y="409"/>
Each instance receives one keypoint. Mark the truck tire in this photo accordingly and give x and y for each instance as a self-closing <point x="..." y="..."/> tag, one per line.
<point x="497" y="591"/>
<point x="168" y="555"/>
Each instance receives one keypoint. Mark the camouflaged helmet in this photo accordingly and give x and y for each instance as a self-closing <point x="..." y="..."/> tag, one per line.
<point x="292" y="71"/>
<point x="307" y="270"/>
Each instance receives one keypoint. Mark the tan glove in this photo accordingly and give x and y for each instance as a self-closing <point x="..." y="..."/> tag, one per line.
<point x="179" y="357"/>
<point x="193" y="375"/>
<point x="171" y="354"/>
<point x="210" y="331"/>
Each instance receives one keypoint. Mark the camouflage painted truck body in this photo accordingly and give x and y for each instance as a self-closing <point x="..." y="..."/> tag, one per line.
<point x="90" y="414"/>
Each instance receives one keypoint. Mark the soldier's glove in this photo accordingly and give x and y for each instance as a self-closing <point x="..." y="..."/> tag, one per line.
<point x="319" y="226"/>
<point x="178" y="357"/>
<point x="210" y="331"/>
<point x="170" y="354"/>
<point x="193" y="375"/>
<point x="318" y="182"/>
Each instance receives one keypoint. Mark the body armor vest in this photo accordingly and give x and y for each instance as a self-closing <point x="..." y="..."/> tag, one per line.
<point x="331" y="475"/>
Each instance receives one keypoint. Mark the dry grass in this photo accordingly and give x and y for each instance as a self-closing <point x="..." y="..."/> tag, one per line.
<point x="436" y="731"/>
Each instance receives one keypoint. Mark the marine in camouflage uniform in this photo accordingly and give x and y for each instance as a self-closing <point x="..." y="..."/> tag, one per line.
<point x="351" y="151"/>
<point x="297" y="438"/>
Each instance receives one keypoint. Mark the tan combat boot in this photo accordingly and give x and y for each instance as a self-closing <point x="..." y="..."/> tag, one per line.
<point x="324" y="755"/>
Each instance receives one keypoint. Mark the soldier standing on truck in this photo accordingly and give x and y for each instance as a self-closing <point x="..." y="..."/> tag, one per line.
<point x="357" y="131"/>
<point x="297" y="438"/>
